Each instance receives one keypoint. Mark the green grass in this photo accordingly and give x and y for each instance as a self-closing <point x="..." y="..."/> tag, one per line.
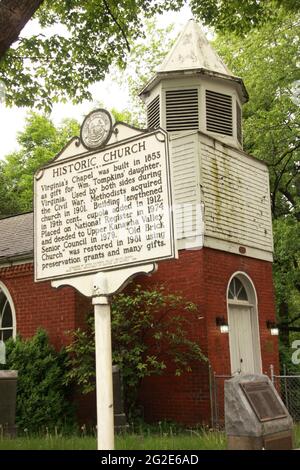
<point x="143" y="440"/>
<point x="192" y="440"/>
<point x="48" y="443"/>
<point x="195" y="440"/>
<point x="297" y="436"/>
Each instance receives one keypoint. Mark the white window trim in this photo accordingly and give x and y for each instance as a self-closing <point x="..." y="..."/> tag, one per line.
<point x="5" y="291"/>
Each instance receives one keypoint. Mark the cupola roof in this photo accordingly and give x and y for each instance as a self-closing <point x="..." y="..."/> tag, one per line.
<point x="192" y="50"/>
<point x="193" y="54"/>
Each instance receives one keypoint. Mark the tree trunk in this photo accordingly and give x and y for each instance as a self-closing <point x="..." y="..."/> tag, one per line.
<point x="284" y="315"/>
<point x="14" y="14"/>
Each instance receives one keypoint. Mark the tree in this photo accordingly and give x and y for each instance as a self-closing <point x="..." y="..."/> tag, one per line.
<point x="80" y="41"/>
<point x="8" y="203"/>
<point x="146" y="54"/>
<point x="150" y="334"/>
<point x="267" y="59"/>
<point x="238" y="16"/>
<point x="14" y="14"/>
<point x="287" y="277"/>
<point x="40" y="142"/>
<point x="42" y="396"/>
<point x="59" y="65"/>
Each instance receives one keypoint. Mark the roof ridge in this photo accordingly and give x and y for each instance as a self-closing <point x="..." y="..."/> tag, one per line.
<point x="15" y="215"/>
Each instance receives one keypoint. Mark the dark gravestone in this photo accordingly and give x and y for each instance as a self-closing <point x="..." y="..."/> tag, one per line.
<point x="119" y="415"/>
<point x="8" y="393"/>
<point x="255" y="416"/>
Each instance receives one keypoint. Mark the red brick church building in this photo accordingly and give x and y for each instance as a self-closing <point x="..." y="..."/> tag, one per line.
<point x="223" y="231"/>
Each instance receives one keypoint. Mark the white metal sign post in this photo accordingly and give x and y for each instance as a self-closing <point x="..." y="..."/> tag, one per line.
<point x="101" y="218"/>
<point x="104" y="385"/>
<point x="100" y="286"/>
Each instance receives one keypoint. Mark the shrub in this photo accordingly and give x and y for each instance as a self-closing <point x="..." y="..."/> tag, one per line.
<point x="149" y="335"/>
<point x="41" y="390"/>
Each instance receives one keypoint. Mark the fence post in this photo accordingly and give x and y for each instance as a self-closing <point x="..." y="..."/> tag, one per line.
<point x="286" y="388"/>
<point x="272" y="373"/>
<point x="216" y="401"/>
<point x="211" y="385"/>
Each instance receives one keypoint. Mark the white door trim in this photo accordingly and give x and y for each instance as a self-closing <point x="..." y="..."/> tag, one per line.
<point x="253" y="309"/>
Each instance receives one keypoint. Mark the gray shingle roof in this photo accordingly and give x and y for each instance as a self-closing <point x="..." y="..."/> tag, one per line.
<point x="16" y="237"/>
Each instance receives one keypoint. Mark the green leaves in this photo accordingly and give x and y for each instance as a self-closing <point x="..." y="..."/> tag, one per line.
<point x="40" y="142"/>
<point x="79" y="41"/>
<point x="268" y="61"/>
<point x="145" y="55"/>
<point x="82" y="372"/>
<point x="240" y="17"/>
<point x="287" y="260"/>
<point x="41" y="392"/>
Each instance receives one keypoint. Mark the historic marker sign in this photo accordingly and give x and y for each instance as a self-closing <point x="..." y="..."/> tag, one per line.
<point x="263" y="400"/>
<point x="105" y="209"/>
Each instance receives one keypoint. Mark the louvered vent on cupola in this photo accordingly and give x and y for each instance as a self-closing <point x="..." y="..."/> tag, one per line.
<point x="153" y="111"/>
<point x="182" y="110"/>
<point x="218" y="113"/>
<point x="239" y="123"/>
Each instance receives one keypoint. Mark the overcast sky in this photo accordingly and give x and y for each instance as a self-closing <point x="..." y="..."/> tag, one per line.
<point x="108" y="92"/>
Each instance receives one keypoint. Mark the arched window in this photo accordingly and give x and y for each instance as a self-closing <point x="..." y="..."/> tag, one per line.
<point x="7" y="315"/>
<point x="237" y="290"/>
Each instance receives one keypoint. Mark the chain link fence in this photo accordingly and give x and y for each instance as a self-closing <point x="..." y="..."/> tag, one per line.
<point x="217" y="399"/>
<point x="287" y="385"/>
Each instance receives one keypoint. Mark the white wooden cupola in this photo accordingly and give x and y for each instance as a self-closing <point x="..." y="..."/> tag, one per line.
<point x="221" y="197"/>
<point x="194" y="90"/>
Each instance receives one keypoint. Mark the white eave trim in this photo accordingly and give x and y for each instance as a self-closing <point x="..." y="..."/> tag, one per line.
<point x="193" y="72"/>
<point x="234" y="248"/>
<point x="16" y="260"/>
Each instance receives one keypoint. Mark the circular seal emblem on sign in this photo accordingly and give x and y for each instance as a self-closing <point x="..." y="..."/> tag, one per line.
<point x="96" y="129"/>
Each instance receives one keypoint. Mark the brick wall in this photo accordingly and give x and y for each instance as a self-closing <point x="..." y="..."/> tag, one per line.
<point x="219" y="267"/>
<point x="39" y="305"/>
<point x="202" y="277"/>
<point x="185" y="398"/>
